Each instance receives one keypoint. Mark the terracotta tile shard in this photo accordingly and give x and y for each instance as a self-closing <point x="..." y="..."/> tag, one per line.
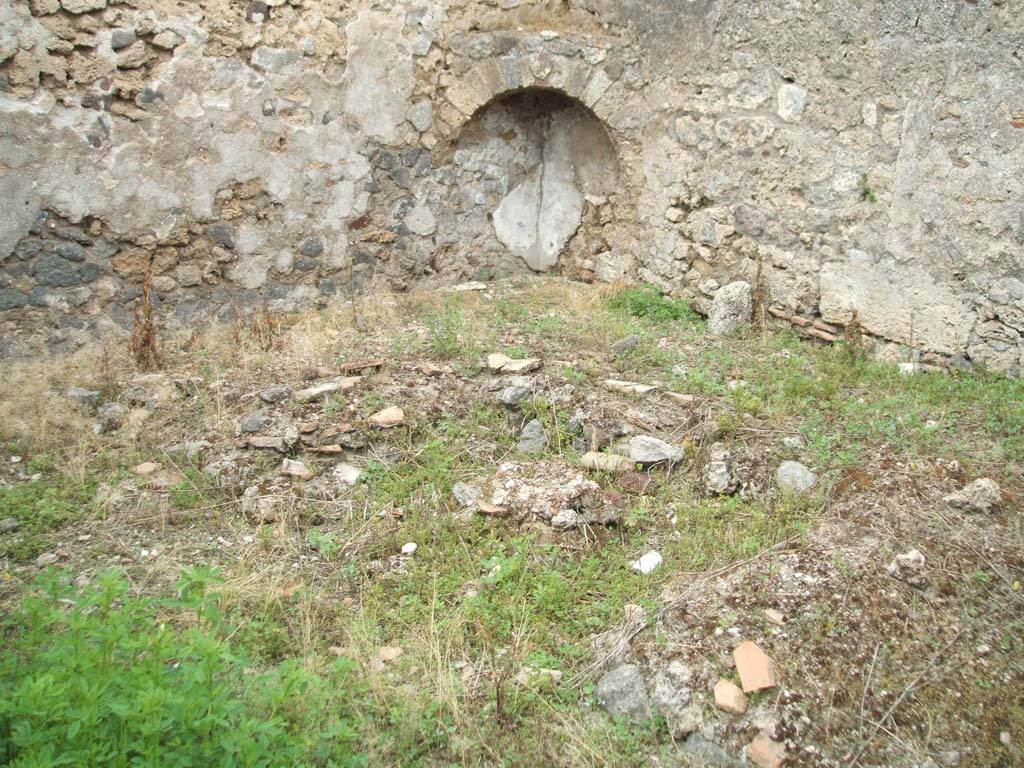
<point x="821" y="325"/>
<point x="824" y="336"/>
<point x="389" y="417"/>
<point x="1017" y="123"/>
<point x="765" y="753"/>
<point x="778" y="312"/>
<point x="431" y="370"/>
<point x="797" y="320"/>
<point x="756" y="670"/>
<point x="729" y="697"/>
<point x="146" y="468"/>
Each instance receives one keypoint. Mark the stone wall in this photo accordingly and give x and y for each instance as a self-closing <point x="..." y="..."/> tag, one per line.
<point x="857" y="159"/>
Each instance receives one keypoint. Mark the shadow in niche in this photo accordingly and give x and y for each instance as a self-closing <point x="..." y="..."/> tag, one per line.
<point x="535" y="175"/>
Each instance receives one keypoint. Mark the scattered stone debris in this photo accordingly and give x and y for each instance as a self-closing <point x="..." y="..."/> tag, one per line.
<point x="109" y="417"/>
<point x="9" y="525"/>
<point x="729" y="697"/>
<point x="540" y="490"/>
<point x="190" y="449"/>
<point x="294" y="468"/>
<point x="45" y="559"/>
<point x="520" y="389"/>
<point x="258" y="506"/>
<point x="648" y="563"/>
<point x="146" y="468"/>
<point x="409" y="548"/>
<point x="280" y="443"/>
<point x="470" y="286"/>
<point x="346" y="474"/>
<point x="622" y="692"/>
<point x="627" y="344"/>
<point x="731" y="308"/>
<point x="86" y="397"/>
<point x="276" y="394"/>
<point x="466" y="495"/>
<point x="255" y="422"/>
<point x="764" y="752"/>
<point x="319" y="391"/>
<point x="775" y="617"/>
<point x="909" y="568"/>
<point x="794" y="476"/>
<point x="647" y="450"/>
<point x="755" y="669"/>
<point x="388" y="418"/>
<point x="539" y="677"/>
<point x="526" y="365"/>
<point x="533" y="439"/>
<point x="628" y="387"/>
<point x="718" y="479"/>
<point x="673" y="698"/>
<point x="983" y="495"/>
<point x="606" y="462"/>
<point x="499" y="363"/>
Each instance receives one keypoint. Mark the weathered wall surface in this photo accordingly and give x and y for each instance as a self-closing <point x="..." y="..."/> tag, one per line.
<point x="864" y="158"/>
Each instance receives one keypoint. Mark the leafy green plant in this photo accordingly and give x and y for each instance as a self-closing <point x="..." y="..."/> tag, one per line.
<point x="96" y="676"/>
<point x="866" y="192"/>
<point x="40" y="506"/>
<point x="647" y="301"/>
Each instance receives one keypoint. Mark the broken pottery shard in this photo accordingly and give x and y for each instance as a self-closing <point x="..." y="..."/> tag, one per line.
<point x="755" y="669"/>
<point x="293" y="468"/>
<point x="729" y="697"/>
<point x="648" y="563"/>
<point x="146" y="468"/>
<point x="389" y="417"/>
<point x="629" y="387"/>
<point x="521" y="366"/>
<point x="764" y="752"/>
<point x="606" y="462"/>
<point x="496" y="361"/>
<point x="318" y="391"/>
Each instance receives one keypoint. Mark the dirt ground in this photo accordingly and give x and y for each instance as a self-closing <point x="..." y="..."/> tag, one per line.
<point x="450" y="597"/>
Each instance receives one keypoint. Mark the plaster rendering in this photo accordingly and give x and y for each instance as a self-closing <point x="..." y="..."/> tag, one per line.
<point x="854" y="161"/>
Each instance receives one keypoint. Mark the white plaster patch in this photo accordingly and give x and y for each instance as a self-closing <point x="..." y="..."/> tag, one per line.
<point x="378" y="80"/>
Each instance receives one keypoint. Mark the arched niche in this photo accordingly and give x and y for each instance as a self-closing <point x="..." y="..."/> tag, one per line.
<point x="537" y="175"/>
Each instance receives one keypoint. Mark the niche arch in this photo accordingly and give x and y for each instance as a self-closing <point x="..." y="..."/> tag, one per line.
<point x="539" y="178"/>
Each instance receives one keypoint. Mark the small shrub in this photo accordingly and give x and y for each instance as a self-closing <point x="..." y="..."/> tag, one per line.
<point x="97" y="677"/>
<point x="143" y="344"/>
<point x="648" y="302"/>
